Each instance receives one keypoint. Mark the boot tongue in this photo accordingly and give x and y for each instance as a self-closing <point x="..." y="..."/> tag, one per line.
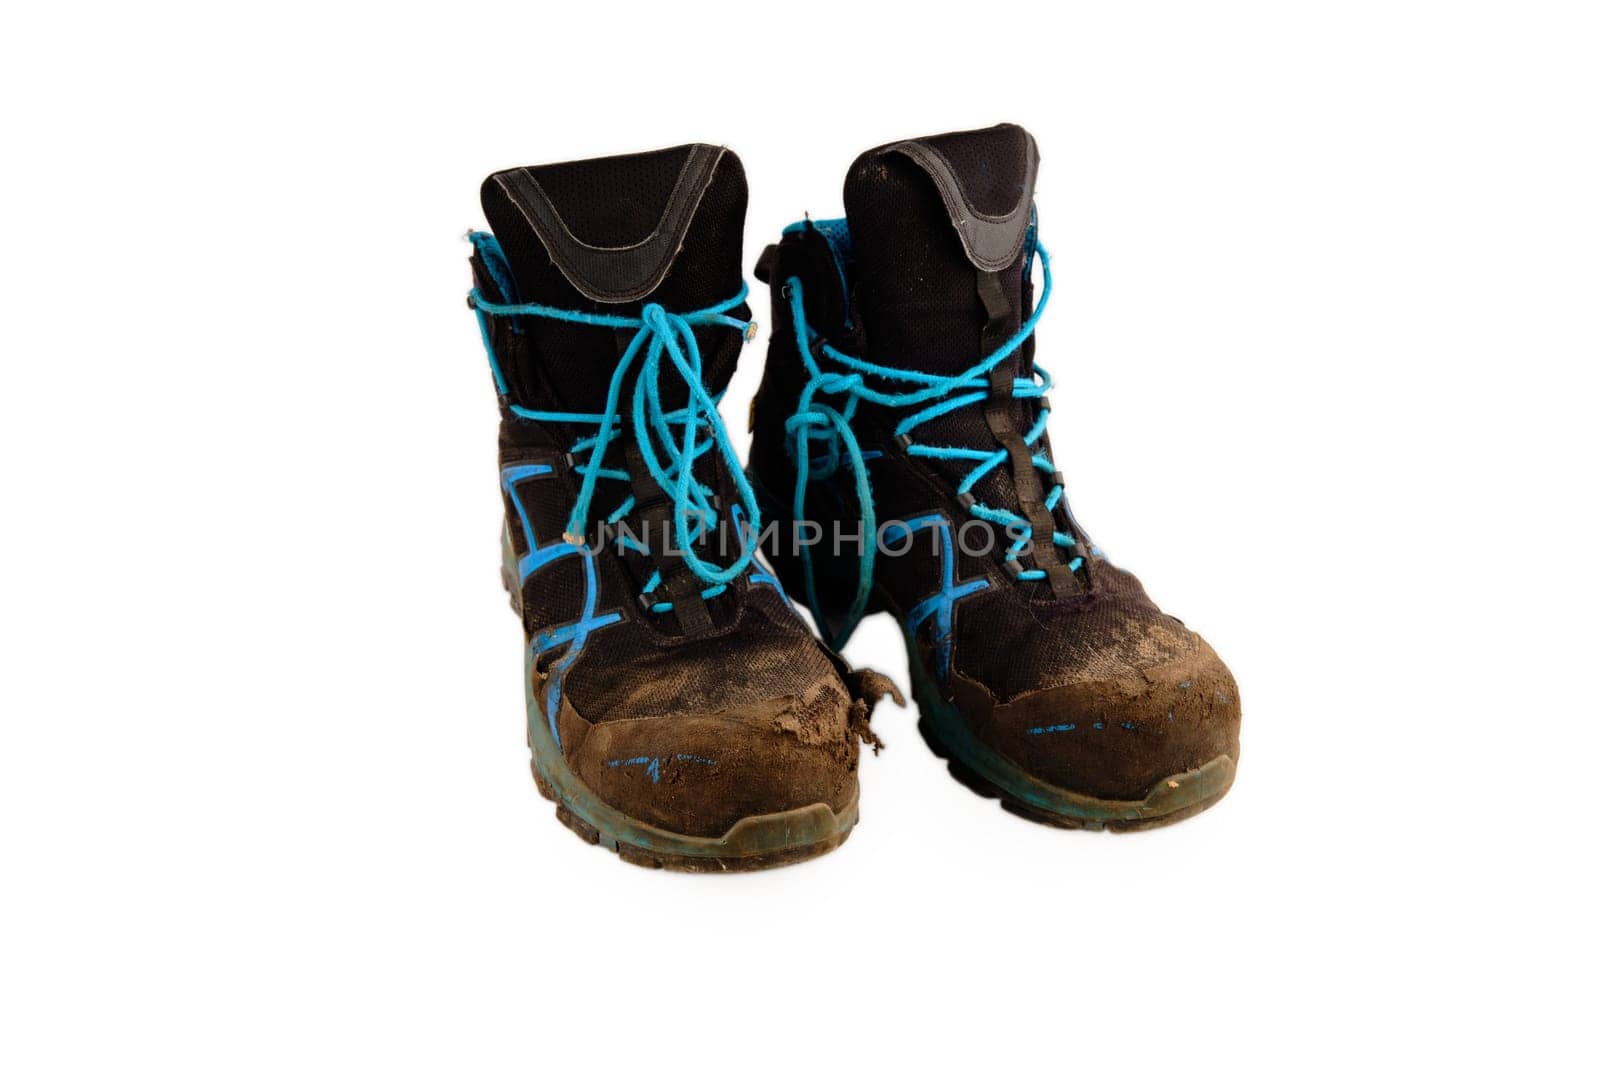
<point x="608" y="236"/>
<point x="929" y="220"/>
<point x="926" y="216"/>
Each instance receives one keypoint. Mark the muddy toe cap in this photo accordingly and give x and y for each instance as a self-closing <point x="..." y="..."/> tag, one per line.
<point x="1115" y="733"/>
<point x="699" y="774"/>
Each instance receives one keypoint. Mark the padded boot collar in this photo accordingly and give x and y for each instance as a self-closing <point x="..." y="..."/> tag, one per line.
<point x="615" y="275"/>
<point x="992" y="242"/>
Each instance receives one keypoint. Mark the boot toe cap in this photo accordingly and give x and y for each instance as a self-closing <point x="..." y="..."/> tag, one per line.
<point x="699" y="774"/>
<point x="1115" y="734"/>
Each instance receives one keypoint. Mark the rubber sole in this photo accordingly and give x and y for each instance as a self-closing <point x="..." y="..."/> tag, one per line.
<point x="755" y="842"/>
<point x="989" y="774"/>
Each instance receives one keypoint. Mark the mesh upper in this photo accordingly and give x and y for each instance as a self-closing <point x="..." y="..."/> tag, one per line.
<point x="916" y="300"/>
<point x="641" y="666"/>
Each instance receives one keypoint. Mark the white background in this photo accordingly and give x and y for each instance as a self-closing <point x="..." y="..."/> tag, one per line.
<point x="1324" y="339"/>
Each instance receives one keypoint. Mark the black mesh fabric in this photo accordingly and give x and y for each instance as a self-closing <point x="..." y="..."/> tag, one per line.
<point x="990" y="162"/>
<point x="1117" y="633"/>
<point x="759" y="649"/>
<point x="915" y="287"/>
<point x="628" y="674"/>
<point x="917" y="291"/>
<point x="614" y="202"/>
<point x="611" y="202"/>
<point x="917" y="304"/>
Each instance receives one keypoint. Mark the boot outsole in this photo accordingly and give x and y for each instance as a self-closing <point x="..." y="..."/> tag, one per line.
<point x="754" y="843"/>
<point x="717" y="855"/>
<point x="981" y="769"/>
<point x="1203" y="778"/>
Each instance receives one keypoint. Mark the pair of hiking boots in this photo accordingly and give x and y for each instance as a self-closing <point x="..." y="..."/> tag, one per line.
<point x="680" y="711"/>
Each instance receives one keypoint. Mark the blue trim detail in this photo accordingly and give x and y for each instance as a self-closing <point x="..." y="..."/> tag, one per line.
<point x="827" y="406"/>
<point x="1063" y="727"/>
<point x="940" y="607"/>
<point x="758" y="573"/>
<point x="652" y="764"/>
<point x="837" y="233"/>
<point x="670" y="442"/>
<point x="487" y="245"/>
<point x="575" y="634"/>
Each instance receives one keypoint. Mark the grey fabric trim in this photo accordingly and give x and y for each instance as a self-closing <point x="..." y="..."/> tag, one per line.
<point x="616" y="275"/>
<point x="992" y="242"/>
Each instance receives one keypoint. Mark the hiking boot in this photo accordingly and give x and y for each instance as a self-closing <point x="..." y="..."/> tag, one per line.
<point x="680" y="712"/>
<point x="901" y="398"/>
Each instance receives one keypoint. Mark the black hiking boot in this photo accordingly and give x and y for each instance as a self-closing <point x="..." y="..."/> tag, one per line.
<point x="901" y="396"/>
<point x="679" y="711"/>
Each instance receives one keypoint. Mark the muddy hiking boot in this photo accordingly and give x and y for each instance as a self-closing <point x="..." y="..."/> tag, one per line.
<point x="680" y="712"/>
<point x="901" y="396"/>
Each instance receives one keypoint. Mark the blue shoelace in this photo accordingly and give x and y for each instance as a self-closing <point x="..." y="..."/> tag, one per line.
<point x="818" y="422"/>
<point x="668" y="441"/>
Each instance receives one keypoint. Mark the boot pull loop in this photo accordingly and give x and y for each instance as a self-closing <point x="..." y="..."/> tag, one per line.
<point x="998" y="311"/>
